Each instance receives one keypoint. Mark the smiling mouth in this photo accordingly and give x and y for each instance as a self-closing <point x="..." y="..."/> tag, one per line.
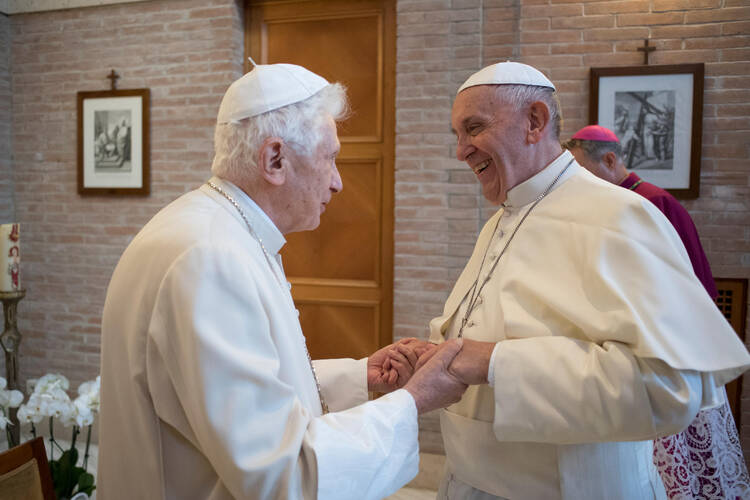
<point x="478" y="169"/>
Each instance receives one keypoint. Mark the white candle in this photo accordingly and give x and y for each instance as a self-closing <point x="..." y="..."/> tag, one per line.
<point x="10" y="257"/>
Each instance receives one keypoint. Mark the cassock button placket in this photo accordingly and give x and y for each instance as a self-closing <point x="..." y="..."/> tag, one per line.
<point x="482" y="279"/>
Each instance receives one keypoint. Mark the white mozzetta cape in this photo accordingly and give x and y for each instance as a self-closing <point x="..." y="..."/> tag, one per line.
<point x="606" y="340"/>
<point x="207" y="391"/>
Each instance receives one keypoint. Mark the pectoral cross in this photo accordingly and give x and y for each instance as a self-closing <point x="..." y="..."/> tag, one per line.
<point x="646" y="49"/>
<point x="114" y="76"/>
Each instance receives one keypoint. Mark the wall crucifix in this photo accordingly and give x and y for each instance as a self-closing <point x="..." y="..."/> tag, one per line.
<point x="646" y="50"/>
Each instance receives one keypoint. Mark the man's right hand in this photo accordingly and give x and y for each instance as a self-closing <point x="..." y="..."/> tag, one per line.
<point x="433" y="386"/>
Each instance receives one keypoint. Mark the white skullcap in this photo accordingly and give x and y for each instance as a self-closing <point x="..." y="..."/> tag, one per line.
<point x="507" y="73"/>
<point x="268" y="87"/>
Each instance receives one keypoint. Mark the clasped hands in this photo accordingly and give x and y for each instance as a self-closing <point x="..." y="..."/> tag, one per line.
<point x="435" y="375"/>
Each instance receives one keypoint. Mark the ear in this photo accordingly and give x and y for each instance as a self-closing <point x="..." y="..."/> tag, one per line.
<point x="538" y="115"/>
<point x="609" y="160"/>
<point x="271" y="162"/>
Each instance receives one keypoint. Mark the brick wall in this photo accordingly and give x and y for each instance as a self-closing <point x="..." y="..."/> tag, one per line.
<point x="6" y="177"/>
<point x="187" y="52"/>
<point x="439" y="207"/>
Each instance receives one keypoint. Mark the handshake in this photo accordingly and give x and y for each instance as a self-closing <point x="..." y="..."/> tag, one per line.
<point x="435" y="375"/>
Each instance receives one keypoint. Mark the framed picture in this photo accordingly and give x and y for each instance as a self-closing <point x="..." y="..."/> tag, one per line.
<point x="657" y="113"/>
<point x="113" y="142"/>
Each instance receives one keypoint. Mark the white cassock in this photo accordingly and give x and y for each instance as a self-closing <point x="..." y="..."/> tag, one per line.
<point x="207" y="391"/>
<point x="605" y="340"/>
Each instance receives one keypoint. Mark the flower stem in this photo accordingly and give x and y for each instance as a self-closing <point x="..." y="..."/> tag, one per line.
<point x="86" y="453"/>
<point x="51" y="441"/>
<point x="73" y="438"/>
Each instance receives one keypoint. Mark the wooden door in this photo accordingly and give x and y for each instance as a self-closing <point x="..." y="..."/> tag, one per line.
<point x="342" y="273"/>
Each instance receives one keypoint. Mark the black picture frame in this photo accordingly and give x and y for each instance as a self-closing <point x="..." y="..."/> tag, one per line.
<point x="662" y="142"/>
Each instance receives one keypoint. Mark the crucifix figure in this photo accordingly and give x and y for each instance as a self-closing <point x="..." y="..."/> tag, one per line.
<point x="114" y="76"/>
<point x="646" y="49"/>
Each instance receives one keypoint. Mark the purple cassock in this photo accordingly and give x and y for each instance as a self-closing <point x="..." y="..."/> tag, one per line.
<point x="680" y="219"/>
<point x="705" y="460"/>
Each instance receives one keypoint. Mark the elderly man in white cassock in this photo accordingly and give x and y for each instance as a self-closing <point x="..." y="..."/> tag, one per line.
<point x="586" y="333"/>
<point x="208" y="390"/>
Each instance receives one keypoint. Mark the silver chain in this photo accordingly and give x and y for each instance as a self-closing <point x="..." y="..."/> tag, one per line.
<point x="475" y="291"/>
<point x="255" y="235"/>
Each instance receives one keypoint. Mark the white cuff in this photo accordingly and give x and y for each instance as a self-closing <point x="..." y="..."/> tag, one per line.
<point x="491" y="369"/>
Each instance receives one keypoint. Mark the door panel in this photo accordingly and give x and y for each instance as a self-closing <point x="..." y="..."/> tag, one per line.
<point x="342" y="273"/>
<point x="318" y="44"/>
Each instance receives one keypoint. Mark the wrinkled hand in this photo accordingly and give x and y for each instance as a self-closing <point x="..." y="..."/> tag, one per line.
<point x="413" y="349"/>
<point x="433" y="386"/>
<point x="391" y="367"/>
<point x="471" y="365"/>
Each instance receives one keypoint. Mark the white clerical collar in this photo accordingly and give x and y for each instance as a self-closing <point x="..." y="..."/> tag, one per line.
<point x="261" y="223"/>
<point x="530" y="189"/>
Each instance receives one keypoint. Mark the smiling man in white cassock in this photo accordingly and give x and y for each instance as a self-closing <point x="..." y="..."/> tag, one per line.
<point x="208" y="390"/>
<point x="586" y="333"/>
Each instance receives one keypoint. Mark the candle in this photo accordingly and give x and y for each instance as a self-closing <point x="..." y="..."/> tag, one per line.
<point x="10" y="257"/>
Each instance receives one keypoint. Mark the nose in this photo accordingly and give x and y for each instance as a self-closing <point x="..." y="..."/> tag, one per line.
<point x="464" y="149"/>
<point x="336" y="183"/>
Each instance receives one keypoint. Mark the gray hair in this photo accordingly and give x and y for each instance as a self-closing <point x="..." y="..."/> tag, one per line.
<point x="520" y="96"/>
<point x="236" y="144"/>
<point x="594" y="150"/>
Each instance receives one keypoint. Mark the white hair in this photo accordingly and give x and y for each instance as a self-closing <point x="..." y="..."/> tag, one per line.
<point x="520" y="96"/>
<point x="236" y="144"/>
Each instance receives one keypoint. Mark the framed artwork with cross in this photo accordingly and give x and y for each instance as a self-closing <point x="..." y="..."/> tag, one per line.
<point x="656" y="113"/>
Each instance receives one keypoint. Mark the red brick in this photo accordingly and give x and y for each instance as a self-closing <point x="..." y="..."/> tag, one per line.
<point x="557" y="11"/>
<point x="715" y="15"/>
<point x="665" y="5"/>
<point x="685" y="31"/>
<point x="583" y="22"/>
<point x="616" y="7"/>
<point x="650" y="19"/>
<point x="615" y="34"/>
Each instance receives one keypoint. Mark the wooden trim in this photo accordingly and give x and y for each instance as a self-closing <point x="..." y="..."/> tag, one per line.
<point x="738" y="322"/>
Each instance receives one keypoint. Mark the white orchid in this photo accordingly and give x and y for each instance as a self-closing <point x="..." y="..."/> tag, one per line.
<point x="51" y="382"/>
<point x="4" y="422"/>
<point x="28" y="415"/>
<point x="49" y="399"/>
<point x="88" y="398"/>
<point x="11" y="399"/>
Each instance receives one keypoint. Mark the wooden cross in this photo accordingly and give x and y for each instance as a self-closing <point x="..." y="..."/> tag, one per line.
<point x="114" y="76"/>
<point x="646" y="49"/>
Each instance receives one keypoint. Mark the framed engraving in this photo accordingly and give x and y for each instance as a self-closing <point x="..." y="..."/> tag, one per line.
<point x="657" y="113"/>
<point x="113" y="142"/>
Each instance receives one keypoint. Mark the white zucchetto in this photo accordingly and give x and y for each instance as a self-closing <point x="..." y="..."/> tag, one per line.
<point x="268" y="87"/>
<point x="507" y="73"/>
